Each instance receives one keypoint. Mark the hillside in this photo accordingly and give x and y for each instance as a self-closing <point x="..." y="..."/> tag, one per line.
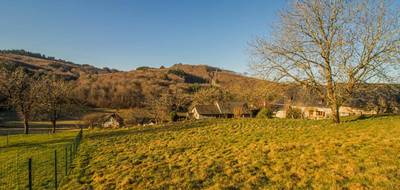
<point x="152" y="93"/>
<point x="40" y="63"/>
<point x="141" y="87"/>
<point x="134" y="87"/>
<point x="243" y="154"/>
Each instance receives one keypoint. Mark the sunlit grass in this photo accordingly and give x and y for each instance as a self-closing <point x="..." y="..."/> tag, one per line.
<point x="40" y="147"/>
<point x="19" y="145"/>
<point x="245" y="154"/>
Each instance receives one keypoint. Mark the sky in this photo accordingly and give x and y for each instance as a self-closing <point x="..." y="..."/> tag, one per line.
<point x="124" y="34"/>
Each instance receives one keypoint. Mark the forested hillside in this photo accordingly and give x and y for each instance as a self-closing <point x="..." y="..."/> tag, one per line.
<point x="176" y="88"/>
<point x="36" y="62"/>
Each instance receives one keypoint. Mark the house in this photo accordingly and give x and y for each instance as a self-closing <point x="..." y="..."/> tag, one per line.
<point x="230" y="109"/>
<point x="180" y="116"/>
<point x="323" y="112"/>
<point x="314" y="108"/>
<point x="112" y="121"/>
<point x="220" y="110"/>
<point x="205" y="111"/>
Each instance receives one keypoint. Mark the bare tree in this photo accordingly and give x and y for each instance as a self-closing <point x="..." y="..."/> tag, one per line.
<point x="331" y="47"/>
<point x="210" y="95"/>
<point x="55" y="99"/>
<point x="22" y="93"/>
<point x="162" y="107"/>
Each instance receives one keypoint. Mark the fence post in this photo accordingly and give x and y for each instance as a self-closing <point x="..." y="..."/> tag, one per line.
<point x="7" y="137"/>
<point x="70" y="155"/>
<point x="30" y="173"/>
<point x="66" y="160"/>
<point x="55" y="169"/>
<point x="74" y="156"/>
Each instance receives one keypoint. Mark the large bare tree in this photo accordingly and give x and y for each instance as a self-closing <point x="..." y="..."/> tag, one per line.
<point x="331" y="47"/>
<point x="22" y="93"/>
<point x="55" y="99"/>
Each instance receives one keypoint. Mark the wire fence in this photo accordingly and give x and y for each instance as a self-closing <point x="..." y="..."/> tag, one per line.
<point x="43" y="170"/>
<point x="12" y="138"/>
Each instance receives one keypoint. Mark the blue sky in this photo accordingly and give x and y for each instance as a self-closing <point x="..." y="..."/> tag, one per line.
<point x="126" y="34"/>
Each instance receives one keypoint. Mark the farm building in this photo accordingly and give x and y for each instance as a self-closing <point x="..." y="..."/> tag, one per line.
<point x="180" y="116"/>
<point x="314" y="108"/>
<point x="221" y="110"/>
<point x="112" y="121"/>
<point x="323" y="112"/>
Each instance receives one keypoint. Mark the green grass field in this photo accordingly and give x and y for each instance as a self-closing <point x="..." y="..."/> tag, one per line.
<point x="23" y="146"/>
<point x="14" y="157"/>
<point x="243" y="154"/>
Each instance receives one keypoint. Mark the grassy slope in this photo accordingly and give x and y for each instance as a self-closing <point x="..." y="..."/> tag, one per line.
<point x="247" y="154"/>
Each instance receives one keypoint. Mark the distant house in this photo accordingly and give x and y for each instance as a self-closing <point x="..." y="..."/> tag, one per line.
<point x="180" y="116"/>
<point x="220" y="110"/>
<point x="323" y="112"/>
<point x="112" y="121"/>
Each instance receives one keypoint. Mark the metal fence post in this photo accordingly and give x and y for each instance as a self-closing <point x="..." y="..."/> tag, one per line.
<point x="74" y="149"/>
<point x="70" y="155"/>
<point x="66" y="160"/>
<point x="7" y="136"/>
<point x="55" y="169"/>
<point x="30" y="173"/>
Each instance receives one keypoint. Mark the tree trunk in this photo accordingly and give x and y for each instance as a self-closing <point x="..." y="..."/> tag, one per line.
<point x="330" y="90"/>
<point x="335" y="113"/>
<point x="26" y="126"/>
<point x="54" y="117"/>
<point x="54" y="123"/>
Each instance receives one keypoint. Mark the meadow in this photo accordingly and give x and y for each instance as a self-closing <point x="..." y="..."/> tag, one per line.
<point x="40" y="148"/>
<point x="243" y="154"/>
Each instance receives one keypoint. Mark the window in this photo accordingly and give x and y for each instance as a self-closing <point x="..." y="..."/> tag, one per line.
<point x="320" y="113"/>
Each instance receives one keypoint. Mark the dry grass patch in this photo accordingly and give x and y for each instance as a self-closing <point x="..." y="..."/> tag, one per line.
<point x="244" y="154"/>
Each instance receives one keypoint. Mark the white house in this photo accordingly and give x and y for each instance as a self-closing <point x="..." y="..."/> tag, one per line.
<point x="322" y="112"/>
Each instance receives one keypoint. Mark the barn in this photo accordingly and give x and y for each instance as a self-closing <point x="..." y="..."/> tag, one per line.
<point x="113" y="121"/>
<point x="221" y="110"/>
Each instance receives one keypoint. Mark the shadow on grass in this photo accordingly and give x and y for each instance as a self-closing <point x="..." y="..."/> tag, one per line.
<point x="364" y="117"/>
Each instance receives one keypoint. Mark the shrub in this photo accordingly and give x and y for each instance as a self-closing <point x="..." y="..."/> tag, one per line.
<point x="264" y="113"/>
<point x="194" y="87"/>
<point x="177" y="72"/>
<point x="294" y="113"/>
<point x="136" y="116"/>
<point x="189" y="78"/>
<point x="173" y="116"/>
<point x="143" y="68"/>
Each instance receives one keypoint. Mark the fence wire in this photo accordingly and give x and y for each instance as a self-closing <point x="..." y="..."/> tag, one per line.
<point x="43" y="170"/>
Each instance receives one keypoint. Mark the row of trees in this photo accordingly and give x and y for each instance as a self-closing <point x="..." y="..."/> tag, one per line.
<point x="32" y="54"/>
<point x="34" y="96"/>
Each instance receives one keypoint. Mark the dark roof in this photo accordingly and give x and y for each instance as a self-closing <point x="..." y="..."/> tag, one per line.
<point x="226" y="108"/>
<point x="207" y="109"/>
<point x="229" y="107"/>
<point x="118" y="118"/>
